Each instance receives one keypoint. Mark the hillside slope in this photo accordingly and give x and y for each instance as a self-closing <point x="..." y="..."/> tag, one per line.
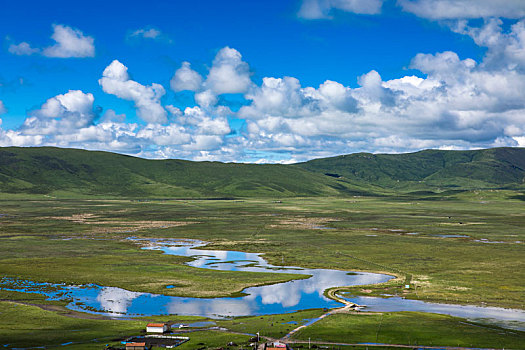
<point x="489" y="168"/>
<point x="73" y="172"/>
<point x="48" y="170"/>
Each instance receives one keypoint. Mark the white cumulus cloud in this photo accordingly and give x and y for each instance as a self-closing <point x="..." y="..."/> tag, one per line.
<point x="506" y="49"/>
<point x="169" y="135"/>
<point x="68" y="120"/>
<point x="229" y="74"/>
<point x="460" y="103"/>
<point x="322" y="9"/>
<point x="430" y="9"/>
<point x="186" y="78"/>
<point x="116" y="81"/>
<point x="69" y="43"/>
<point x="64" y="113"/>
<point x="455" y="9"/>
<point x="17" y="138"/>
<point x="281" y="97"/>
<point x="452" y="102"/>
<point x="205" y="98"/>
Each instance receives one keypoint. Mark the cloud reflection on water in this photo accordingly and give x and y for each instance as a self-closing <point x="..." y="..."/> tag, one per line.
<point x="116" y="300"/>
<point x="211" y="307"/>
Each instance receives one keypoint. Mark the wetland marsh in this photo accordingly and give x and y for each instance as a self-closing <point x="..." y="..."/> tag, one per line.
<point x="85" y="242"/>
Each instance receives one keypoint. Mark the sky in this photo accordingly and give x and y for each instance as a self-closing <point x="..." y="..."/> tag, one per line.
<point x="273" y="81"/>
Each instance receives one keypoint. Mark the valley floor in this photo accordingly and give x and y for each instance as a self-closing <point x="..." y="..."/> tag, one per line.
<point x="464" y="248"/>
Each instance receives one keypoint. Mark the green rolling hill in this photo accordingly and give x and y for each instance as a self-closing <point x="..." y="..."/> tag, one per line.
<point x="73" y="172"/>
<point x="429" y="169"/>
<point x="57" y="171"/>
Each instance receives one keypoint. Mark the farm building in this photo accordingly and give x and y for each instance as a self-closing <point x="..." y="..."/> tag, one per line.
<point x="136" y="346"/>
<point x="157" y="328"/>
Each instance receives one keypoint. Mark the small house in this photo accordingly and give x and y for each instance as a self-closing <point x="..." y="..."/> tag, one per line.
<point x="136" y="346"/>
<point x="157" y="328"/>
<point x="276" y="346"/>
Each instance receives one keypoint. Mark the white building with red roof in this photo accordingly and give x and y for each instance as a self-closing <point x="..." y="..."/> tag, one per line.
<point x="157" y="328"/>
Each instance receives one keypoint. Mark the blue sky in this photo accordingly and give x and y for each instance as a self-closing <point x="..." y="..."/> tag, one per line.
<point x="263" y="81"/>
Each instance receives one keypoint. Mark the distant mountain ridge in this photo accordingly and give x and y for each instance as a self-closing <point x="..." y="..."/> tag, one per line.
<point x="74" y="172"/>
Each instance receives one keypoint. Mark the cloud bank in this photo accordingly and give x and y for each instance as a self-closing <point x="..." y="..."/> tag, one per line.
<point x="454" y="102"/>
<point x="455" y="9"/>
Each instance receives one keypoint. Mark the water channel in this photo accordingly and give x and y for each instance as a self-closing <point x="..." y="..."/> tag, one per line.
<point x="270" y="299"/>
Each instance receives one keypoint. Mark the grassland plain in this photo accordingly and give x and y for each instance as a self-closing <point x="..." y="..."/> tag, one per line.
<point x="271" y="326"/>
<point x="84" y="241"/>
<point x="409" y="328"/>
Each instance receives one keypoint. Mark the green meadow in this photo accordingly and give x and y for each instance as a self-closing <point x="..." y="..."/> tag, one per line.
<point x="80" y="241"/>
<point x="85" y="241"/>
<point x="409" y="328"/>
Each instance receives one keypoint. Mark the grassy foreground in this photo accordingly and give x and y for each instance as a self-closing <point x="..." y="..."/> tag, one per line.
<point x="27" y="326"/>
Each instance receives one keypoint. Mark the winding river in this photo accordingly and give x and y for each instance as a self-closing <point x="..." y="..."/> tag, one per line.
<point x="270" y="299"/>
